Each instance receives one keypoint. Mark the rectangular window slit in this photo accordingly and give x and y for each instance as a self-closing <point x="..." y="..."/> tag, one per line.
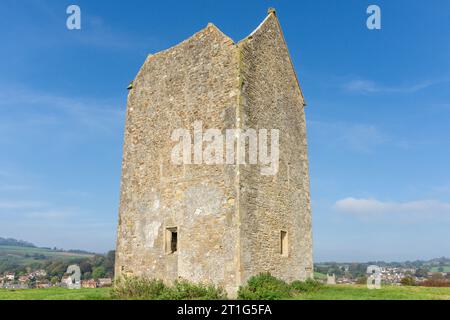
<point x="171" y="240"/>
<point x="284" y="243"/>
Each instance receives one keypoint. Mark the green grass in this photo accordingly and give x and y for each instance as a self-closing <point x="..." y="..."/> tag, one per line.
<point x="319" y="276"/>
<point x="361" y="292"/>
<point x="337" y="292"/>
<point x="55" y="293"/>
<point x="436" y="269"/>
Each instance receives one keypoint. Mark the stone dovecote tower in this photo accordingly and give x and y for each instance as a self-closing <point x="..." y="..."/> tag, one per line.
<point x="215" y="223"/>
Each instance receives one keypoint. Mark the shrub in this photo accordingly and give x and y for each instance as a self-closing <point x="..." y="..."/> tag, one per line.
<point x="264" y="287"/>
<point x="140" y="288"/>
<point x="184" y="290"/>
<point x="309" y="285"/>
<point x="361" y="280"/>
<point x="435" y="283"/>
<point x="408" y="281"/>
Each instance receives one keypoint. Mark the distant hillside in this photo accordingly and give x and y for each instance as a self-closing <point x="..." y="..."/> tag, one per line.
<point x="15" y="243"/>
<point x="18" y="255"/>
<point x="25" y="244"/>
<point x="439" y="261"/>
<point x="34" y="253"/>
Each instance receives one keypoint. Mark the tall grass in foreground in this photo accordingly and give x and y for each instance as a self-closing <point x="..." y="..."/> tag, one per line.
<point x="141" y="288"/>
<point x="261" y="287"/>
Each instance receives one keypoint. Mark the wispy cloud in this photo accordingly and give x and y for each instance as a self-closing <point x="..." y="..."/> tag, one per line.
<point x="21" y="205"/>
<point x="95" y="31"/>
<point x="365" y="86"/>
<point x="50" y="214"/>
<point x="102" y="115"/>
<point x="355" y="136"/>
<point x="13" y="187"/>
<point x="32" y="210"/>
<point x="104" y="36"/>
<point x="411" y="210"/>
<point x="443" y="189"/>
<point x="441" y="106"/>
<point x="50" y="225"/>
<point x="4" y="173"/>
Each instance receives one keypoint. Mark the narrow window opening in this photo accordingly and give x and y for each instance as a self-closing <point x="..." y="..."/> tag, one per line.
<point x="284" y="243"/>
<point x="171" y="240"/>
<point x="173" y="243"/>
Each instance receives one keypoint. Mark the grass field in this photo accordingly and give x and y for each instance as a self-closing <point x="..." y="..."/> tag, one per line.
<point x="360" y="292"/>
<point x="337" y="292"/>
<point x="445" y="269"/>
<point x="55" y="294"/>
<point x="320" y="276"/>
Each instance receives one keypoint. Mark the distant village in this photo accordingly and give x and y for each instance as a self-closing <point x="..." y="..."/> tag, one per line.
<point x="48" y="268"/>
<point x="23" y="265"/>
<point x="389" y="276"/>
<point x="396" y="276"/>
<point x="435" y="272"/>
<point x="39" y="279"/>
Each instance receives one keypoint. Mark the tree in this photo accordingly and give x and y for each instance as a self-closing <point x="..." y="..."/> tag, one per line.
<point x="109" y="263"/>
<point x="85" y="266"/>
<point x="98" y="272"/>
<point x="422" y="272"/>
<point x="110" y="259"/>
<point x="87" y="275"/>
<point x="361" y="280"/>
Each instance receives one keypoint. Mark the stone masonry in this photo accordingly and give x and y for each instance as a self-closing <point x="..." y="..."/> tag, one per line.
<point x="215" y="223"/>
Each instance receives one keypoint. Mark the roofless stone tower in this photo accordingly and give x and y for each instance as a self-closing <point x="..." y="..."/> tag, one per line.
<point x="219" y="223"/>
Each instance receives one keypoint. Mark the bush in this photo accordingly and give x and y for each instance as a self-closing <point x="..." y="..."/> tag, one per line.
<point x="309" y="285"/>
<point x="98" y="272"/>
<point x="264" y="287"/>
<point x="140" y="288"/>
<point x="408" y="281"/>
<point x="184" y="290"/>
<point x="435" y="283"/>
<point x="361" y="280"/>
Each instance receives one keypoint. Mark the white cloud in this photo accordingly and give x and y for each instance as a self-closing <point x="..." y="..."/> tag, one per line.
<point x="21" y="205"/>
<point x="354" y="136"/>
<point x="5" y="173"/>
<point x="51" y="224"/>
<point x="33" y="210"/>
<point x="368" y="86"/>
<point x="13" y="187"/>
<point x="96" y="31"/>
<point x="419" y="209"/>
<point x="444" y="189"/>
<point x="50" y="214"/>
<point x="100" y="115"/>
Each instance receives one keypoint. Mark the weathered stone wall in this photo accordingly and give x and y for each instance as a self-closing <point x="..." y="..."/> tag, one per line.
<point x="271" y="99"/>
<point x="195" y="80"/>
<point x="228" y="217"/>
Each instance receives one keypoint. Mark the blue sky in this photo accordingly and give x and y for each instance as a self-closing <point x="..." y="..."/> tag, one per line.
<point x="378" y="116"/>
